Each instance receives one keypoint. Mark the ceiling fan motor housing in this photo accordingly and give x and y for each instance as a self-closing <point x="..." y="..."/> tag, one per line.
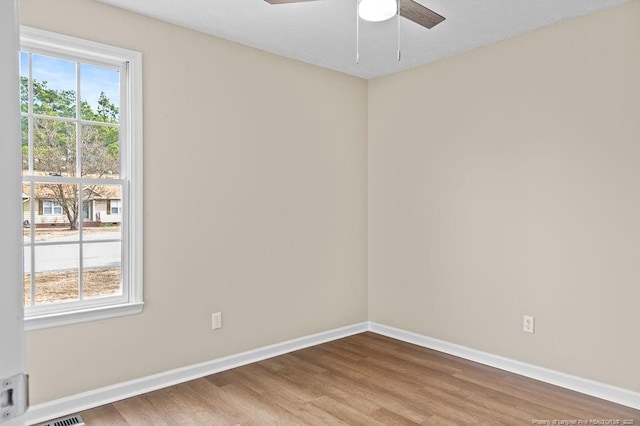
<point x="377" y="10"/>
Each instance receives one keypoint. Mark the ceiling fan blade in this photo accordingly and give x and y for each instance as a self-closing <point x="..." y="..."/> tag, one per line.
<point x="285" y="1"/>
<point x="419" y="14"/>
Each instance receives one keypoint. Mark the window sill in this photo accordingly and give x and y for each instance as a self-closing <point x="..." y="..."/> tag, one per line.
<point x="84" y="315"/>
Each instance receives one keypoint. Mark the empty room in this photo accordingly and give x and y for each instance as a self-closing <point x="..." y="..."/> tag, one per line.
<point x="364" y="212"/>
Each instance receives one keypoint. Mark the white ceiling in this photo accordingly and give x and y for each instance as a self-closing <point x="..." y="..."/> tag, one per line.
<point x="323" y="32"/>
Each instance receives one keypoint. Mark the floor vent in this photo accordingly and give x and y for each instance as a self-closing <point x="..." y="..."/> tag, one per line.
<point x="66" y="421"/>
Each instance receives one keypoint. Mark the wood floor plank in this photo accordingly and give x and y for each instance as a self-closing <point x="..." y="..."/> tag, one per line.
<point x="207" y="411"/>
<point x="456" y="408"/>
<point x="375" y="397"/>
<point x="381" y="392"/>
<point x="366" y="379"/>
<point x="212" y="394"/>
<point x="388" y="417"/>
<point x="502" y="403"/>
<point x="260" y="412"/>
<point x="289" y="360"/>
<point x="105" y="415"/>
<point x="345" y="413"/>
<point x="341" y="389"/>
<point x="264" y="383"/>
<point x="555" y="394"/>
<point x="419" y="356"/>
<point x="176" y="411"/>
<point x="137" y="411"/>
<point x="277" y="390"/>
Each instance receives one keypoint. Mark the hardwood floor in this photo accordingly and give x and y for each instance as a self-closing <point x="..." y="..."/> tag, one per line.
<point x="366" y="379"/>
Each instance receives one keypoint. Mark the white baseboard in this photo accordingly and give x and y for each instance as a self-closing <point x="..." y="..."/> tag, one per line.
<point x="94" y="398"/>
<point x="578" y="384"/>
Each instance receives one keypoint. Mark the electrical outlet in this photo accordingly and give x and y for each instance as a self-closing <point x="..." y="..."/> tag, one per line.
<point x="528" y="324"/>
<point x="216" y="320"/>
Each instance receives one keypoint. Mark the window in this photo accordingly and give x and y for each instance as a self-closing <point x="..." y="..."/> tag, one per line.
<point x="51" y="208"/>
<point x="81" y="117"/>
<point x="114" y="206"/>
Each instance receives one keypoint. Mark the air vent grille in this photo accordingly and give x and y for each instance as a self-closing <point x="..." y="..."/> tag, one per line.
<point x="67" y="421"/>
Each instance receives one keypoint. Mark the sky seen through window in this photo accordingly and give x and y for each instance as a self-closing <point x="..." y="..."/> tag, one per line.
<point x="60" y="74"/>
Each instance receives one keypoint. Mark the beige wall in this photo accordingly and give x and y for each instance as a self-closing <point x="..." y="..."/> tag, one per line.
<point x="504" y="182"/>
<point x="273" y="152"/>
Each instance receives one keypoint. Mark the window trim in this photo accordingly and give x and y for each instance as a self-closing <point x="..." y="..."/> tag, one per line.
<point x="85" y="51"/>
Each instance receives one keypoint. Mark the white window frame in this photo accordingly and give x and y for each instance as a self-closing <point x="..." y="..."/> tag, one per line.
<point x="130" y="65"/>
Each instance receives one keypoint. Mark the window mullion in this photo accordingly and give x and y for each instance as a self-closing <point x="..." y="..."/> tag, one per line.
<point x="75" y="120"/>
<point x="80" y="215"/>
<point x="123" y="121"/>
<point x="100" y="123"/>
<point x="71" y="243"/>
<point x="72" y="180"/>
<point x="32" y="248"/>
<point x="32" y="198"/>
<point x="30" y="113"/>
<point x="54" y="118"/>
<point x="78" y="126"/>
<point x="125" y="138"/>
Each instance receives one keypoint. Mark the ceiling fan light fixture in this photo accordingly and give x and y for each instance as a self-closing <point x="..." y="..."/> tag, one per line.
<point x="377" y="10"/>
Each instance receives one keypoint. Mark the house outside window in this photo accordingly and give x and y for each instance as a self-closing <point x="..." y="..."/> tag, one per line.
<point x="81" y="117"/>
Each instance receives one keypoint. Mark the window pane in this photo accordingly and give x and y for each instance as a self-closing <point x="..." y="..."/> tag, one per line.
<point x="24" y="124"/>
<point x="102" y="269"/>
<point x="26" y="212"/>
<point x="100" y="152"/>
<point x="56" y="273"/>
<point x="24" y="81"/>
<point x="56" y="212"/>
<point x="54" y="145"/>
<point x="102" y="220"/>
<point x="54" y="86"/>
<point x="26" y="263"/>
<point x="102" y="255"/>
<point x="100" y="93"/>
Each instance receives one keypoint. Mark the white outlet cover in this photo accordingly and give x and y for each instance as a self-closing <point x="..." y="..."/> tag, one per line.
<point x="528" y="324"/>
<point x="216" y="320"/>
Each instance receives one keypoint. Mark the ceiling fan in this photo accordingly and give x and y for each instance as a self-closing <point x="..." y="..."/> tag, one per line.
<point x="381" y="10"/>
